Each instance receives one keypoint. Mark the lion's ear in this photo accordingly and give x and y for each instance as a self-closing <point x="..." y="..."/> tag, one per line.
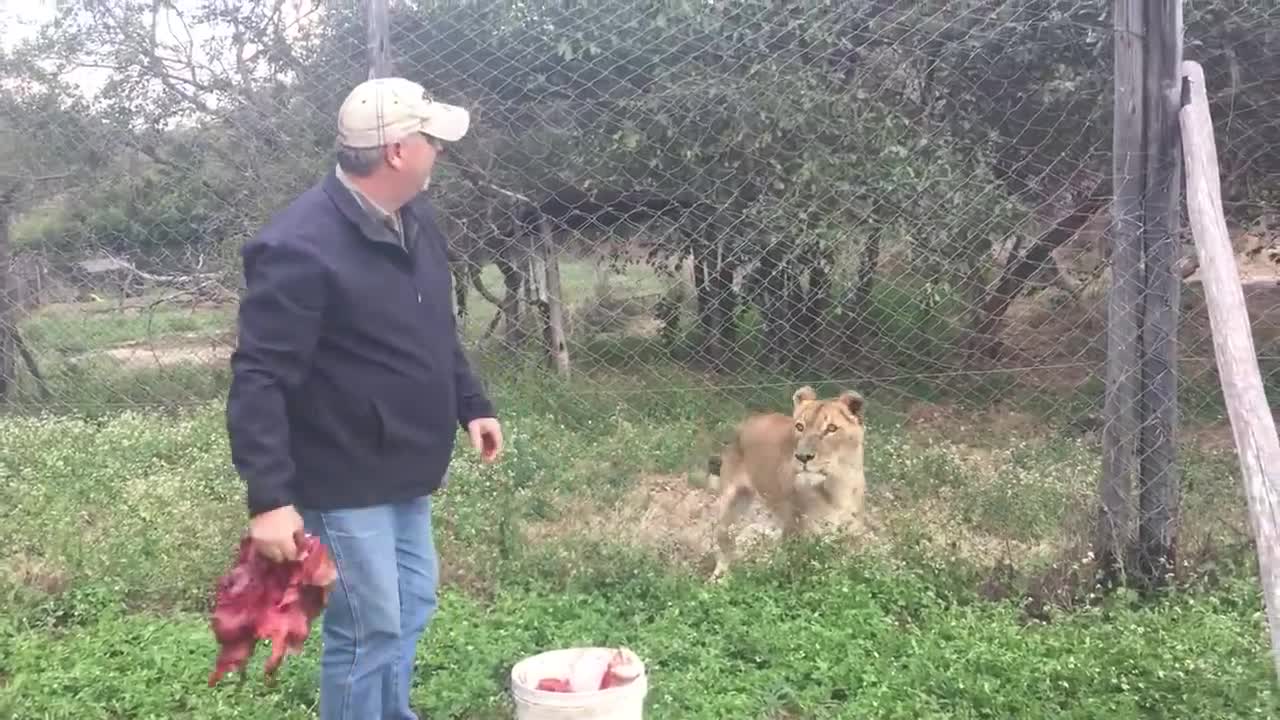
<point x="853" y="401"/>
<point x="803" y="395"/>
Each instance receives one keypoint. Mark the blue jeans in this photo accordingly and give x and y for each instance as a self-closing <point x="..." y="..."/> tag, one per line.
<point x="380" y="605"/>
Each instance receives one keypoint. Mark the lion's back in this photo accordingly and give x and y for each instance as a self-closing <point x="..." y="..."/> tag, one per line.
<point x="762" y="448"/>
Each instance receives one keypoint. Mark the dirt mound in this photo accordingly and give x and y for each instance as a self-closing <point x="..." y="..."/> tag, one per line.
<point x="676" y="520"/>
<point x="164" y="355"/>
<point x="667" y="515"/>
<point x="664" y="513"/>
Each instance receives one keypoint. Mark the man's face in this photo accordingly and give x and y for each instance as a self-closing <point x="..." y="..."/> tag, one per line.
<point x="413" y="159"/>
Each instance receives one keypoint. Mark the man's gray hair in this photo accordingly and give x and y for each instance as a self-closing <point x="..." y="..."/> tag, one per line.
<point x="359" y="162"/>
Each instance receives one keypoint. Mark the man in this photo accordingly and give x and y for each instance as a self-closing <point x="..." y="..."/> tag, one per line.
<point x="349" y="383"/>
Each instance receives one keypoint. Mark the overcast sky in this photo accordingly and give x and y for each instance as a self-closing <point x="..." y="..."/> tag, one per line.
<point x="21" y="19"/>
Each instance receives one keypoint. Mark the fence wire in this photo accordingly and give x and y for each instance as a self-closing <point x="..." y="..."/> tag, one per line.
<point x="911" y="199"/>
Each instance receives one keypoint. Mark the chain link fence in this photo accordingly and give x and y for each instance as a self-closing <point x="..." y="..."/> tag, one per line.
<point x="909" y="199"/>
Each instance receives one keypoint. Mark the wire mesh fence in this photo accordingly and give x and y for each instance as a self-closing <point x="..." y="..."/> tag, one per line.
<point x="732" y="200"/>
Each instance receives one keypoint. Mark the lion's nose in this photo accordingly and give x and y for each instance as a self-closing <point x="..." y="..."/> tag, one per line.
<point x="803" y="456"/>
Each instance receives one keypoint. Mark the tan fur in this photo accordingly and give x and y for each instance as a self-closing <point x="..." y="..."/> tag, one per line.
<point x="806" y="468"/>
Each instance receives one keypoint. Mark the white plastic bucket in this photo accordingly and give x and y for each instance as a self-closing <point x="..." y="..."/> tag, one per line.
<point x="624" y="702"/>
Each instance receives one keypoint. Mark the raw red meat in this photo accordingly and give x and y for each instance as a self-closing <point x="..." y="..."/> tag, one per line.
<point x="554" y="684"/>
<point x="621" y="670"/>
<point x="261" y="600"/>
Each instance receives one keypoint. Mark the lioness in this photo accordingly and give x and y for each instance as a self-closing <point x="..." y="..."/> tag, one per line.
<point x="806" y="468"/>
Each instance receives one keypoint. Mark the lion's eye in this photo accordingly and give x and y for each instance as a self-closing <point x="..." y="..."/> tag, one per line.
<point x="800" y="427"/>
<point x="831" y="429"/>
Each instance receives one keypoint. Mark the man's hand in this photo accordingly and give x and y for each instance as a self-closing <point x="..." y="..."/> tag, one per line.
<point x="486" y="438"/>
<point x="274" y="533"/>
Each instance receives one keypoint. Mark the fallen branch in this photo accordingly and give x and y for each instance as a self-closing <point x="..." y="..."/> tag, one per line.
<point x="170" y="280"/>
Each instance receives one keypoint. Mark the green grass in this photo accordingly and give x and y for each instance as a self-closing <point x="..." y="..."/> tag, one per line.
<point x="81" y="350"/>
<point x="832" y="641"/>
<point x="82" y="329"/>
<point x="118" y="526"/>
<point x="118" y="523"/>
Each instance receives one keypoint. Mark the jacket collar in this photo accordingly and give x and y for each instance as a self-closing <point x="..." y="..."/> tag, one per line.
<point x="370" y="226"/>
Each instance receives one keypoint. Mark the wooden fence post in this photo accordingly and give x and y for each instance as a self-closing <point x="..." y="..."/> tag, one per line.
<point x="1158" y="476"/>
<point x="379" y="40"/>
<point x="1141" y="403"/>
<point x="1252" y="426"/>
<point x="1124" y="298"/>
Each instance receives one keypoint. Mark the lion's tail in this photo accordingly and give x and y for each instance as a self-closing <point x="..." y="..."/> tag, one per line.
<point x="707" y="460"/>
<point x="714" y="465"/>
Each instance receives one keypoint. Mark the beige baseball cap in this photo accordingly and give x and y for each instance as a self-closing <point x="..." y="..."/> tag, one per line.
<point x="384" y="110"/>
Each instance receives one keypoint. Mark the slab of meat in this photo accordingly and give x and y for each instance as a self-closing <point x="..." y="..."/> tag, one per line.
<point x="261" y="600"/>
<point x="595" y="669"/>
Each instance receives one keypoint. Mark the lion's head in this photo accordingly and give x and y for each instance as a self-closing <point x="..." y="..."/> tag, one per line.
<point x="828" y="433"/>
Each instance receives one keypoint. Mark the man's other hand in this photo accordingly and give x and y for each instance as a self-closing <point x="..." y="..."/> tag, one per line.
<point x="486" y="438"/>
<point x="274" y="533"/>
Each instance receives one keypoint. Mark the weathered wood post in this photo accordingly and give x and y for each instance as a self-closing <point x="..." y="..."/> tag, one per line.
<point x="1141" y="402"/>
<point x="379" y="40"/>
<point x="1124" y="310"/>
<point x="1158" y="477"/>
<point x="1252" y="426"/>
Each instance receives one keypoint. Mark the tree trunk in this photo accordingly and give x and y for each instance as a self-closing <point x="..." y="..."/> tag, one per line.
<point x="861" y="302"/>
<point x="701" y="289"/>
<point x="724" y="307"/>
<point x="1020" y="270"/>
<point x="773" y="288"/>
<point x="812" y="315"/>
<point x="33" y="367"/>
<point x="513" y="282"/>
<point x="8" y="316"/>
<point x="557" y="343"/>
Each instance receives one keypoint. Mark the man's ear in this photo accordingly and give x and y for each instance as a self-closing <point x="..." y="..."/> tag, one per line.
<point x="393" y="154"/>
<point x="854" y="402"/>
<point x="803" y="395"/>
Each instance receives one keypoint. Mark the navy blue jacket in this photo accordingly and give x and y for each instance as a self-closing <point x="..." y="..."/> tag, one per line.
<point x="348" y="382"/>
